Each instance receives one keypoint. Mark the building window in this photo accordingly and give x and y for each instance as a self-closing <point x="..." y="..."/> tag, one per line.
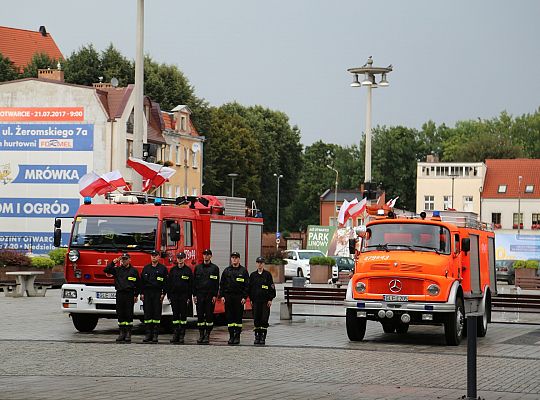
<point x="177" y="191"/>
<point x="194" y="192"/>
<point x="194" y="161"/>
<point x="429" y="203"/>
<point x="529" y="188"/>
<point x="535" y="221"/>
<point x="468" y="203"/>
<point x="447" y="202"/>
<point x="183" y="123"/>
<point x="496" y="220"/>
<point x="129" y="149"/>
<point x="515" y="221"/>
<point x="177" y="155"/>
<point x="170" y="154"/>
<point x="186" y="156"/>
<point x="502" y="189"/>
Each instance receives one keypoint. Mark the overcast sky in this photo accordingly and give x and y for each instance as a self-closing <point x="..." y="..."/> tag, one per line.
<point x="453" y="60"/>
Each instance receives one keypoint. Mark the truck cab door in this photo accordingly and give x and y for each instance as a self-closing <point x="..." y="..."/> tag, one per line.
<point x="171" y="236"/>
<point x="188" y="242"/>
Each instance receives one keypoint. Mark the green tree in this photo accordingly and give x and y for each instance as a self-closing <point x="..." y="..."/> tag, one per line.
<point x="39" y="61"/>
<point x="8" y="72"/>
<point x="83" y="67"/>
<point x="115" y="65"/>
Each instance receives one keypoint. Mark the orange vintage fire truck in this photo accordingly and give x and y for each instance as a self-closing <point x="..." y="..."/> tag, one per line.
<point x="435" y="270"/>
<point x="139" y="224"/>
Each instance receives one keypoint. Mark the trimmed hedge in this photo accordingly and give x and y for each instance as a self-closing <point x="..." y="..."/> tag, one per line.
<point x="58" y="255"/>
<point x="529" y="264"/>
<point x="322" y="260"/>
<point x="43" y="262"/>
<point x="10" y="258"/>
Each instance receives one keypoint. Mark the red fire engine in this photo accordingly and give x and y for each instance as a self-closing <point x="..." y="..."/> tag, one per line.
<point x="139" y="224"/>
<point x="435" y="270"/>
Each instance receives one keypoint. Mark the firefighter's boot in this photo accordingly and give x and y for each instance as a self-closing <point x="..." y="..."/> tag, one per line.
<point x="128" y="333"/>
<point x="202" y="334"/>
<point x="237" y="335"/>
<point x="176" y="335"/>
<point x="263" y="338"/>
<point x="257" y="337"/>
<point x="155" y="333"/>
<point x="149" y="333"/>
<point x="206" y="338"/>
<point x="122" y="335"/>
<point x="231" y="335"/>
<point x="181" y="334"/>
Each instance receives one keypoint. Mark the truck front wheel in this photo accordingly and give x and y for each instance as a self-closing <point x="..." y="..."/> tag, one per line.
<point x="84" y="322"/>
<point x="356" y="327"/>
<point x="482" y="322"/>
<point x="453" y="327"/>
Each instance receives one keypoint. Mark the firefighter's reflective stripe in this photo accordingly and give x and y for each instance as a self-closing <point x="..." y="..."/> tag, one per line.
<point x="185" y="277"/>
<point x="264" y="287"/>
<point x="233" y="324"/>
<point x="131" y="278"/>
<point x="125" y="323"/>
<point x="159" y="278"/>
<point x="183" y="322"/>
<point x="240" y="279"/>
<point x="176" y="322"/>
<point x="213" y="276"/>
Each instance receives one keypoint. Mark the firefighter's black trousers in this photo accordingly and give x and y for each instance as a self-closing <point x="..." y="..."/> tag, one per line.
<point x="152" y="306"/>
<point x="234" y="310"/>
<point x="124" y="307"/>
<point x="261" y="313"/>
<point x="205" y="311"/>
<point x="179" y="304"/>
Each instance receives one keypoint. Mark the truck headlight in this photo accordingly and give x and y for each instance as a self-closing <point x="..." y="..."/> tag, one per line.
<point x="433" y="289"/>
<point x="69" y="294"/>
<point x="360" y="287"/>
<point x="73" y="255"/>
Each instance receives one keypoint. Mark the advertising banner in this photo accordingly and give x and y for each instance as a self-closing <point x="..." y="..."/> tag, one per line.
<point x="46" y="137"/>
<point x="38" y="207"/>
<point x="35" y="242"/>
<point x="517" y="247"/>
<point x="46" y="174"/>
<point x="19" y="114"/>
<point x="329" y="240"/>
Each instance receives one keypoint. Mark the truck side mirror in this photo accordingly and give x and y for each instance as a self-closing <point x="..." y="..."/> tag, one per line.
<point x="57" y="223"/>
<point x="174" y="232"/>
<point x="465" y="245"/>
<point x="57" y="236"/>
<point x="352" y="246"/>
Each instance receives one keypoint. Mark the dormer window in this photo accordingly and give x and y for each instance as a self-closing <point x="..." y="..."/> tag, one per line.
<point x="529" y="188"/>
<point x="183" y="123"/>
<point x="502" y="189"/>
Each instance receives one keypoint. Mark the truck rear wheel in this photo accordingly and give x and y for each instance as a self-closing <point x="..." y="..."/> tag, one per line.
<point x="84" y="322"/>
<point x="388" y="326"/>
<point x="402" y="328"/>
<point x="453" y="327"/>
<point x="356" y="327"/>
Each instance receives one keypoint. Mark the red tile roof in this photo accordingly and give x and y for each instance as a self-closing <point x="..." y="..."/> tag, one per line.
<point x="507" y="172"/>
<point x="19" y="45"/>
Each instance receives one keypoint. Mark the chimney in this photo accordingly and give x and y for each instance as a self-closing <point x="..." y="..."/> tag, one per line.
<point x="432" y="158"/>
<point x="43" y="31"/>
<point x="51" y="74"/>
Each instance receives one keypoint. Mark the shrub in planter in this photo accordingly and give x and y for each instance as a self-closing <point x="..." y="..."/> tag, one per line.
<point x="531" y="264"/>
<point x="10" y="258"/>
<point x="322" y="260"/>
<point x="58" y="255"/>
<point x="275" y="258"/>
<point x="43" y="262"/>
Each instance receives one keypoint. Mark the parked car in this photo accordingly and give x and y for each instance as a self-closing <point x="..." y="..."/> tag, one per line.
<point x="297" y="262"/>
<point x="342" y="264"/>
<point x="505" y="271"/>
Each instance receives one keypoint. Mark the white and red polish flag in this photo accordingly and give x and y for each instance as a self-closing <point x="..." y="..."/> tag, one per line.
<point x="358" y="208"/>
<point x="114" y="179"/>
<point x="91" y="184"/>
<point x="155" y="174"/>
<point x="392" y="203"/>
<point x="342" y="211"/>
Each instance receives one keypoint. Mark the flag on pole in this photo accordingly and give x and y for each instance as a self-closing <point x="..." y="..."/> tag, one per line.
<point x="358" y="209"/>
<point x="155" y="174"/>
<point x="115" y="179"/>
<point x="342" y="211"/>
<point x="91" y="184"/>
<point x="392" y="203"/>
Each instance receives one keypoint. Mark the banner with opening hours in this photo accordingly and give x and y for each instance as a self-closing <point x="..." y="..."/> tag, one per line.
<point x="38" y="207"/>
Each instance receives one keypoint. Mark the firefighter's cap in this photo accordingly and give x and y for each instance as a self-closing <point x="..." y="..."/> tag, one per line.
<point x="125" y="255"/>
<point x="260" y="260"/>
<point x="181" y="255"/>
<point x="235" y="254"/>
<point x="207" y="251"/>
<point x="154" y="253"/>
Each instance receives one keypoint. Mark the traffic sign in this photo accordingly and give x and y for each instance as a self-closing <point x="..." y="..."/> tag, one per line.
<point x="278" y="235"/>
<point x="277" y="241"/>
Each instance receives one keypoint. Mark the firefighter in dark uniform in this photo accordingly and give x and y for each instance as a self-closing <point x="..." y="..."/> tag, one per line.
<point x="179" y="292"/>
<point x="261" y="293"/>
<point x="234" y="289"/>
<point x="153" y="290"/>
<point x="126" y="283"/>
<point x="205" y="291"/>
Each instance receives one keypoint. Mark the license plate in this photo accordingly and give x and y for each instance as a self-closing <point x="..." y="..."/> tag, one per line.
<point x="105" y="295"/>
<point x="395" y="297"/>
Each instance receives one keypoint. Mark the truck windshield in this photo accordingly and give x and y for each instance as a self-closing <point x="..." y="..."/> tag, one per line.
<point x="412" y="237"/>
<point x="115" y="233"/>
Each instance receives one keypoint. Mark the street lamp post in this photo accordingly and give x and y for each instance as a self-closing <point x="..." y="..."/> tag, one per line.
<point x="233" y="177"/>
<point x="519" y="204"/>
<point x="453" y="177"/>
<point x="335" y="193"/>
<point x="277" y="210"/>
<point x="369" y="72"/>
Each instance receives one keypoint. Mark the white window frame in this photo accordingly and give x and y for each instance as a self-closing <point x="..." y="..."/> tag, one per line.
<point x="429" y="202"/>
<point x="468" y="203"/>
<point x="529" y="188"/>
<point x="177" y="155"/>
<point x="447" y="202"/>
<point x="501" y="189"/>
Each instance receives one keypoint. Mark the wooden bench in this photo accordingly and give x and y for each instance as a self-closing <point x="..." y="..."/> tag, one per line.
<point x="310" y="296"/>
<point x="524" y="303"/>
